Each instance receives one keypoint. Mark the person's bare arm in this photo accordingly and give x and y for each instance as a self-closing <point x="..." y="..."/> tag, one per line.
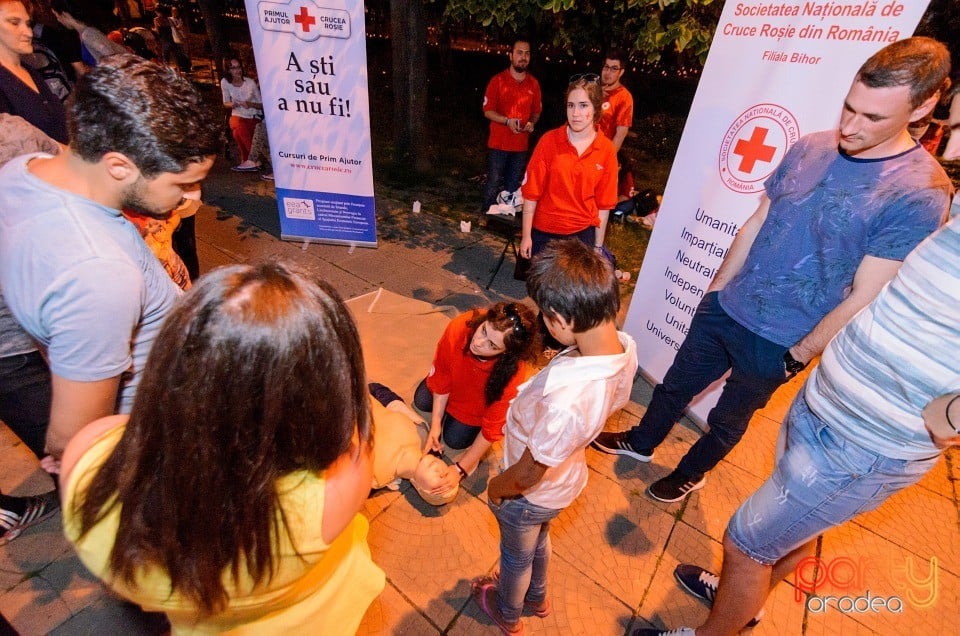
<point x="436" y="422"/>
<point x="532" y="122"/>
<point x="517" y="479"/>
<point x="870" y="277"/>
<point x="81" y="442"/>
<point x="952" y="149"/>
<point x="619" y="136"/>
<point x="96" y="42"/>
<point x="604" y="216"/>
<point x="737" y="254"/>
<point x="347" y="485"/>
<point x="468" y="462"/>
<point x="76" y="404"/>
<point x="474" y="454"/>
<point x="526" y="231"/>
<point x="497" y="118"/>
<point x="941" y="416"/>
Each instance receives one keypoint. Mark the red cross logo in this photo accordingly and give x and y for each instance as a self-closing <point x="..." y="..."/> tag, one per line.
<point x="304" y="19"/>
<point x="753" y="150"/>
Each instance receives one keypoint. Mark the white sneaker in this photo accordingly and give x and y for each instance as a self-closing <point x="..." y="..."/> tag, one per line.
<point x="500" y="209"/>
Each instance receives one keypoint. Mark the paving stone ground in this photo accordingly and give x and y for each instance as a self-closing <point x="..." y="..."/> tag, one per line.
<point x="614" y="550"/>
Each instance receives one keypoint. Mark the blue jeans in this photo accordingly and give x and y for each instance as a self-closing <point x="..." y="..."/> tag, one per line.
<point x="455" y="433"/>
<point x="25" y="398"/>
<point x="524" y="554"/>
<point x="715" y="343"/>
<point x="821" y="481"/>
<point x="503" y="167"/>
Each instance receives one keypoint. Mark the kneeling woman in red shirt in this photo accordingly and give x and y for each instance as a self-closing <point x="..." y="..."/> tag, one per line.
<point x="571" y="181"/>
<point x="479" y="363"/>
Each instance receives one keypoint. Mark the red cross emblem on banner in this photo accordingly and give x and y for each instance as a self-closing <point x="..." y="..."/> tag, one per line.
<point x="304" y="19"/>
<point x="753" y="150"/>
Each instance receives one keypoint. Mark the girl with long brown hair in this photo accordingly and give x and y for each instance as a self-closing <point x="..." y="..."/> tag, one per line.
<point x="228" y="498"/>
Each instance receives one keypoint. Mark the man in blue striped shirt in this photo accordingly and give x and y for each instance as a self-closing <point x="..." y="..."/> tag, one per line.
<point x="872" y="419"/>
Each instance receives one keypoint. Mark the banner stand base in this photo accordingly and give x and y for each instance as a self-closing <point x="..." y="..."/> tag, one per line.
<point x="314" y="239"/>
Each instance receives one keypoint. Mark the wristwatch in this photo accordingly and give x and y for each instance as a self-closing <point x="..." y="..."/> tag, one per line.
<point x="793" y="365"/>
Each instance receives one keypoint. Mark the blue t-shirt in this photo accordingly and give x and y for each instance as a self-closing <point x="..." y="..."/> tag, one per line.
<point x="80" y="280"/>
<point x="827" y="212"/>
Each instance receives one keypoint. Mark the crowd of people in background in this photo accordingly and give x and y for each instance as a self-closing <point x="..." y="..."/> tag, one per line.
<point x="213" y="438"/>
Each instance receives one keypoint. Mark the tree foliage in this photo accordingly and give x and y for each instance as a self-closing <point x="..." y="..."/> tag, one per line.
<point x="669" y="31"/>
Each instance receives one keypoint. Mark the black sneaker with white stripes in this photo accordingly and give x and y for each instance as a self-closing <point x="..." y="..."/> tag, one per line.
<point x="680" y="631"/>
<point x="37" y="508"/>
<point x="619" y="444"/>
<point x="703" y="584"/>
<point x="675" y="487"/>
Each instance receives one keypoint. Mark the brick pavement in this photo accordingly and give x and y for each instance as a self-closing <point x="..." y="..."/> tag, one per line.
<point x="614" y="550"/>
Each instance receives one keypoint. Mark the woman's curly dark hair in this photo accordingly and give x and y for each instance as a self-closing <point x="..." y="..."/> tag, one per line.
<point x="520" y="340"/>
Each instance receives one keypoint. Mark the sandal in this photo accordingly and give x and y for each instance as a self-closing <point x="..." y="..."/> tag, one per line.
<point x="484" y="593"/>
<point x="540" y="609"/>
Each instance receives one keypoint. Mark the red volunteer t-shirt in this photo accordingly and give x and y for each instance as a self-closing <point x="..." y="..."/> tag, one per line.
<point x="617" y="111"/>
<point x="464" y="377"/>
<point x="512" y="99"/>
<point x="570" y="190"/>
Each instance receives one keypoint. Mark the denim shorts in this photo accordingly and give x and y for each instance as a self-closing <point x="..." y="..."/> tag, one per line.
<point x="821" y="481"/>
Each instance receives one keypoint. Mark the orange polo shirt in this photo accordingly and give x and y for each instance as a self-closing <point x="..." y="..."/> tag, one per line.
<point x="569" y="189"/>
<point x="617" y="111"/>
<point x="463" y="376"/>
<point x="512" y="99"/>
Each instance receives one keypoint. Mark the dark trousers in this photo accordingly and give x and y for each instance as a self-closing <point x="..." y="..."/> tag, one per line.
<point x="455" y="433"/>
<point x="503" y="167"/>
<point x="715" y="344"/>
<point x="540" y="239"/>
<point x="25" y="398"/>
<point x="185" y="245"/>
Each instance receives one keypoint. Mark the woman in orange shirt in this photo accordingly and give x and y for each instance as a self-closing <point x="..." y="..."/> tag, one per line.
<point x="571" y="182"/>
<point x="478" y="365"/>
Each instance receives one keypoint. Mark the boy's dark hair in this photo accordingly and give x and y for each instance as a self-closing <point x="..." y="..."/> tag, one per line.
<point x="921" y="63"/>
<point x="570" y="280"/>
<point x="146" y="112"/>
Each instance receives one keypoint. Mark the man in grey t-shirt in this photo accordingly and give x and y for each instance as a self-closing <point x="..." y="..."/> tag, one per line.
<point x="75" y="274"/>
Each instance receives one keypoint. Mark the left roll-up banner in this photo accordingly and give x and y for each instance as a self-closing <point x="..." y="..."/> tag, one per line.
<point x="312" y="64"/>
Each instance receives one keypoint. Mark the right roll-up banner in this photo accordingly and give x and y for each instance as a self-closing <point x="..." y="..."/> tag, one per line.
<point x="775" y="71"/>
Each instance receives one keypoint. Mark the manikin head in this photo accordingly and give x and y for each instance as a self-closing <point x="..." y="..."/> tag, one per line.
<point x="430" y="470"/>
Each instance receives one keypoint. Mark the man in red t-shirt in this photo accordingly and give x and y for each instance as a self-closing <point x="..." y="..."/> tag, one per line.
<point x="513" y="104"/>
<point x="617" y="101"/>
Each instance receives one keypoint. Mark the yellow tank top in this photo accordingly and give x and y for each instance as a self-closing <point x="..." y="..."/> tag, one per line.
<point x="317" y="588"/>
